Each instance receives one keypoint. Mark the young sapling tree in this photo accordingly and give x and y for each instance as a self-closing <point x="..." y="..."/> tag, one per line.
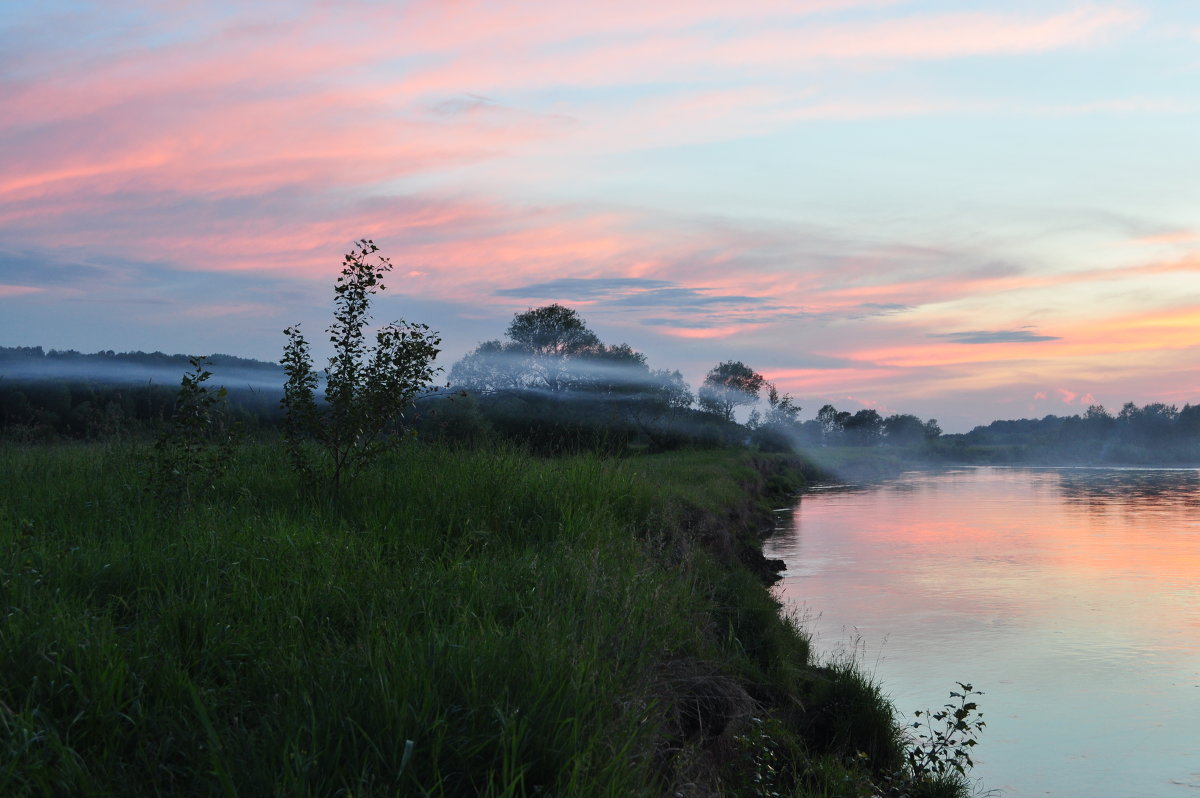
<point x="367" y="388"/>
<point x="194" y="449"/>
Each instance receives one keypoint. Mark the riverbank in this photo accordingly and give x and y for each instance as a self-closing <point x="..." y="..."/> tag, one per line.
<point x="461" y="622"/>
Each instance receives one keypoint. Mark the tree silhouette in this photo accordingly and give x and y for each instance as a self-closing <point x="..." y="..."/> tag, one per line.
<point x="904" y="429"/>
<point x="864" y="428"/>
<point x="552" y="331"/>
<point x="551" y="349"/>
<point x="367" y="388"/>
<point x="729" y="385"/>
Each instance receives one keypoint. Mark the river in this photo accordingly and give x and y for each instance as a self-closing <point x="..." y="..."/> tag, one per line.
<point x="1070" y="597"/>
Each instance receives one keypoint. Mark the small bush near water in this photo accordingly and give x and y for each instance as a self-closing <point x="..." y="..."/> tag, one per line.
<point x="457" y="622"/>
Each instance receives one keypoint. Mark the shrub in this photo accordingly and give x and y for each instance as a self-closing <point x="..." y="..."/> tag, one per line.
<point x="194" y="449"/>
<point x="944" y="739"/>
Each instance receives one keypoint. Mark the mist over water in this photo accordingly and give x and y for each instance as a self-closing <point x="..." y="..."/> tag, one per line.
<point x="1071" y="597"/>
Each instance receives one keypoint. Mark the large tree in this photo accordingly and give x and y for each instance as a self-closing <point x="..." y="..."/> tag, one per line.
<point x="903" y="429"/>
<point x="548" y="354"/>
<point x="552" y="331"/>
<point x="728" y="386"/>
<point x="832" y="422"/>
<point x="864" y="428"/>
<point x="551" y="349"/>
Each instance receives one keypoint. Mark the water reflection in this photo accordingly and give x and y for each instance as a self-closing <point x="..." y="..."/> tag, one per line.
<point x="1131" y="489"/>
<point x="1071" y="596"/>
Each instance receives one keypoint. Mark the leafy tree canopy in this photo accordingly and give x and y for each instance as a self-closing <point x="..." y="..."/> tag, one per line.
<point x="552" y="349"/>
<point x="864" y="428"/>
<point x="367" y="388"/>
<point x="552" y="331"/>
<point x="904" y="429"/>
<point x="729" y="385"/>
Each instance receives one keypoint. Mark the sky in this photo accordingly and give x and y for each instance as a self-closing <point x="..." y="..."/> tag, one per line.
<point x="962" y="210"/>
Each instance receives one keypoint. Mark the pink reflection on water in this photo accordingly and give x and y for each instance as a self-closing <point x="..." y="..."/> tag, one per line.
<point x="1070" y="596"/>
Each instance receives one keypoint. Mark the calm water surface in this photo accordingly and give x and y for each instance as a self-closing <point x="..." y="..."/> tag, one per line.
<point x="1071" y="597"/>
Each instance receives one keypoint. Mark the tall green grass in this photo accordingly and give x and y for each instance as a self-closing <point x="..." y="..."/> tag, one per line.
<point x="459" y="622"/>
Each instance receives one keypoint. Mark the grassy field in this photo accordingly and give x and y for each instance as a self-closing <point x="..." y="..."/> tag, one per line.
<point x="458" y="622"/>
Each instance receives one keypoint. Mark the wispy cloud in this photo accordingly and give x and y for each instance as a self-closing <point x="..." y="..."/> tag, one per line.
<point x="180" y="139"/>
<point x="577" y="289"/>
<point x="696" y="48"/>
<point x="695" y="312"/>
<point x="882" y="308"/>
<point x="39" y="270"/>
<point x="1070" y="397"/>
<point x="1169" y="237"/>
<point x="994" y="337"/>
<point x="18" y="290"/>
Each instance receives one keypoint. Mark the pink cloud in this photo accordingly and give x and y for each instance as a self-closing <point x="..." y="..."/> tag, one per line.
<point x="312" y="108"/>
<point x="310" y="97"/>
<point x="942" y="36"/>
<point x="871" y="404"/>
<point x="1067" y="396"/>
<point x="635" y="54"/>
<point x="1171" y="237"/>
<point x="247" y="148"/>
<point x="18" y="290"/>
<point x="826" y="381"/>
<point x="704" y="333"/>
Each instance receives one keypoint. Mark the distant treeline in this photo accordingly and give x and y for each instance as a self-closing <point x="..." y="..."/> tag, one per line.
<point x="1154" y="433"/>
<point x="47" y="394"/>
<point x="108" y="365"/>
<point x="552" y="385"/>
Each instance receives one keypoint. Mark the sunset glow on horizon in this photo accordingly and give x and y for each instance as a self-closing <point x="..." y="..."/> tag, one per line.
<point x="960" y="214"/>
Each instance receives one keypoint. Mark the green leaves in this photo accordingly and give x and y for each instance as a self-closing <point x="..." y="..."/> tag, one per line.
<point x="367" y="389"/>
<point x="193" y="450"/>
<point x="944" y="738"/>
